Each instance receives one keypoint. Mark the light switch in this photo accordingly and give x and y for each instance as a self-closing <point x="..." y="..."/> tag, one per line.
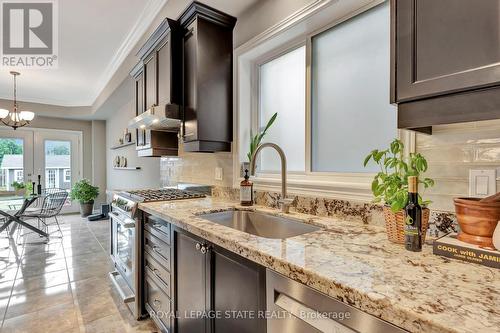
<point x="218" y="173"/>
<point x="482" y="183"/>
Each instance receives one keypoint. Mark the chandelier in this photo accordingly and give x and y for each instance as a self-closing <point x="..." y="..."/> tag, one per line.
<point x="16" y="118"/>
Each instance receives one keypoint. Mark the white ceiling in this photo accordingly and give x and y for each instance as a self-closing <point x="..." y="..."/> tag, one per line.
<point x="95" y="36"/>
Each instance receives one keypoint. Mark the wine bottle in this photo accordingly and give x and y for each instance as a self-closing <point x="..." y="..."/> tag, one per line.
<point x="413" y="218"/>
<point x="39" y="186"/>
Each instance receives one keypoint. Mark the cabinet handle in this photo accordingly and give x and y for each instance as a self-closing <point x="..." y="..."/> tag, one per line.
<point x="156" y="302"/>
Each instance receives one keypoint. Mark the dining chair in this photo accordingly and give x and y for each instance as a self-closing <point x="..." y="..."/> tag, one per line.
<point x="47" y="207"/>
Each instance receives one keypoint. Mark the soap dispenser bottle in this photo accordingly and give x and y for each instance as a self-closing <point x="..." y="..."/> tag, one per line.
<point x="246" y="191"/>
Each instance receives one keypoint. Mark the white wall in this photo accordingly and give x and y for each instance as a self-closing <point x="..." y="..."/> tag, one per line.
<point x="263" y="15"/>
<point x="149" y="175"/>
<point x="99" y="158"/>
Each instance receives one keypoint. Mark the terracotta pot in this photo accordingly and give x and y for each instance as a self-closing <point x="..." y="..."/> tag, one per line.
<point x="86" y="208"/>
<point x="477" y="220"/>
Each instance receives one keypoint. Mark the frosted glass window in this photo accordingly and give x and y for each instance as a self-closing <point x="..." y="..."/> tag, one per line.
<point x="282" y="89"/>
<point x="351" y="114"/>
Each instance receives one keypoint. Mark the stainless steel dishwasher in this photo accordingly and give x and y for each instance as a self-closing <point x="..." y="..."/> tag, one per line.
<point x="295" y="308"/>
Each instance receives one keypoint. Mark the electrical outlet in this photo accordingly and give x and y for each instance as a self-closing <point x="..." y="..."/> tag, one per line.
<point x="482" y="183"/>
<point x="218" y="173"/>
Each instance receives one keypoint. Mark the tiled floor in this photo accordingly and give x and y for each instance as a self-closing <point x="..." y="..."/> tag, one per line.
<point x="62" y="286"/>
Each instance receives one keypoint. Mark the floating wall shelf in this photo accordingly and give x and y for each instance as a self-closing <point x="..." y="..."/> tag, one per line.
<point x="127" y="168"/>
<point x="123" y="145"/>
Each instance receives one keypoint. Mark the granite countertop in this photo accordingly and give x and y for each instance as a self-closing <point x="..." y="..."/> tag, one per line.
<point x="356" y="264"/>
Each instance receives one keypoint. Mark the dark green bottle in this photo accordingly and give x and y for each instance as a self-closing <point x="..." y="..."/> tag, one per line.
<point x="413" y="218"/>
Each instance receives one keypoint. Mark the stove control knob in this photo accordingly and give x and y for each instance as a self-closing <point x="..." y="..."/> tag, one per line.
<point x="198" y="246"/>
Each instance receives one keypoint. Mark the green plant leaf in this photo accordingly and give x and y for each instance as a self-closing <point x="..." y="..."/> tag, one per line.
<point x="83" y="191"/>
<point x="269" y="124"/>
<point x="256" y="139"/>
<point x="391" y="184"/>
<point x="367" y="159"/>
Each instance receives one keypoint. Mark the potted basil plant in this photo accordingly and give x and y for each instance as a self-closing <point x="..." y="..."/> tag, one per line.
<point x="84" y="192"/>
<point x="390" y="186"/>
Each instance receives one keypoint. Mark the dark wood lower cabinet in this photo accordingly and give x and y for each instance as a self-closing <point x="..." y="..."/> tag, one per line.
<point x="216" y="291"/>
<point x="191" y="269"/>
<point x="238" y="294"/>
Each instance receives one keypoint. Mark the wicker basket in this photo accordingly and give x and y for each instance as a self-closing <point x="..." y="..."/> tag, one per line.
<point x="395" y="224"/>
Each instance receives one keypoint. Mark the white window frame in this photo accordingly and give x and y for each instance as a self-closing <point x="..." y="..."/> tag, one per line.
<point x="16" y="175"/>
<point x="293" y="32"/>
<point x="56" y="177"/>
<point x="67" y="175"/>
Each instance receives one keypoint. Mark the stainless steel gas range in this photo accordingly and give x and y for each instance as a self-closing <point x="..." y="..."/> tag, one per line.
<point x="126" y="239"/>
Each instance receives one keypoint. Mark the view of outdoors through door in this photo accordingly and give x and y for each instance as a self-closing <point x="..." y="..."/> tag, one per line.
<point x="26" y="154"/>
<point x="12" y="171"/>
<point x="58" y="165"/>
<point x="11" y="163"/>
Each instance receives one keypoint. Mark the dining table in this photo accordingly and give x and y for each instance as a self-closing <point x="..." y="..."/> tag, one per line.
<point x="13" y="215"/>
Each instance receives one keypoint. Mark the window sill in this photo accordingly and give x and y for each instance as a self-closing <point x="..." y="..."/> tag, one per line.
<point x="355" y="187"/>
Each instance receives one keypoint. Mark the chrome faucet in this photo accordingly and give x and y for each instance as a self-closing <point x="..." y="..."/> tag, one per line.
<point x="284" y="201"/>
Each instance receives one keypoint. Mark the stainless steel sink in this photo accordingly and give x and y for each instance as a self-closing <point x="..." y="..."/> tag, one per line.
<point x="260" y="224"/>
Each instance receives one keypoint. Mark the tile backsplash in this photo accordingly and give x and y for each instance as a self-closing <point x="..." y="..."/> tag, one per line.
<point x="198" y="168"/>
<point x="452" y="150"/>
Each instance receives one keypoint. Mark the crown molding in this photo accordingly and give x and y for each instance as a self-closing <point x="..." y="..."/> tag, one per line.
<point x="140" y="27"/>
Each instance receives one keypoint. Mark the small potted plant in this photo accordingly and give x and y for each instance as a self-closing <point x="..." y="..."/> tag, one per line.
<point x="19" y="188"/>
<point x="85" y="193"/>
<point x="255" y="141"/>
<point x="390" y="186"/>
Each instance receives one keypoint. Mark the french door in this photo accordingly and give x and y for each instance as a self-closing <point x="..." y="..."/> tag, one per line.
<point x="53" y="157"/>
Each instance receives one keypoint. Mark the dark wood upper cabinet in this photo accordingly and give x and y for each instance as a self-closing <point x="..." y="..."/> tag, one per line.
<point x="151" y="80"/>
<point x="207" y="97"/>
<point x="161" y="57"/>
<point x="158" y="79"/>
<point x="445" y="61"/>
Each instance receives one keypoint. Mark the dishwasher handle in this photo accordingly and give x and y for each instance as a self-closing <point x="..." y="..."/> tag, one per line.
<point x="310" y="316"/>
<point x="307" y="310"/>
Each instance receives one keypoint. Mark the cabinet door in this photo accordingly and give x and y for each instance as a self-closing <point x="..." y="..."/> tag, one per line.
<point x="229" y="274"/>
<point x="190" y="84"/>
<point x="445" y="46"/>
<point x="191" y="283"/>
<point x="150" y="81"/>
<point x="139" y="105"/>
<point x="139" y="94"/>
<point x="164" y="73"/>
